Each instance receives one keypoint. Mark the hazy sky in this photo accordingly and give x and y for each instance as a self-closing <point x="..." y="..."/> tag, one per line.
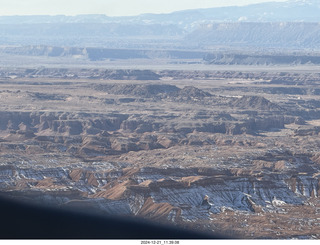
<point x="110" y="7"/>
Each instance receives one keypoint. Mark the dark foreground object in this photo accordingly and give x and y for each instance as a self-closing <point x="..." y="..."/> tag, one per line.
<point x="26" y="221"/>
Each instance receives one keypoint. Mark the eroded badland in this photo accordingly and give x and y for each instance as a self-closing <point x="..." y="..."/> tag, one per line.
<point x="232" y="150"/>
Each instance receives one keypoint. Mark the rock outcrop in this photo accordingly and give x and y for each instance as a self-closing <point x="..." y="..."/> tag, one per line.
<point x="165" y="194"/>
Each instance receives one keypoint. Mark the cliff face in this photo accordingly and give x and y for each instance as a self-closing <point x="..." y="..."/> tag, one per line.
<point x="262" y="59"/>
<point x="250" y="34"/>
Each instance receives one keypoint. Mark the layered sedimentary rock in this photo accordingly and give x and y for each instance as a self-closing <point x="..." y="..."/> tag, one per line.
<point x="221" y="154"/>
<point x="166" y="194"/>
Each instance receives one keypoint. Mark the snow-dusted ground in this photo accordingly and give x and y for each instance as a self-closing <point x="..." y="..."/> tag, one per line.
<point x="224" y="192"/>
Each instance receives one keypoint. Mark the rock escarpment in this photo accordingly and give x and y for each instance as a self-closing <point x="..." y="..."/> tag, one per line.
<point x="93" y="135"/>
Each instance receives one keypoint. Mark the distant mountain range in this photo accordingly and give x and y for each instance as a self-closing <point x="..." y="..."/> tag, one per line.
<point x="296" y="25"/>
<point x="289" y="11"/>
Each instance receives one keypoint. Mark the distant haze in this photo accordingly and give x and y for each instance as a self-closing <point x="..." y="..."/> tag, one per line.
<point x="292" y="24"/>
<point x="112" y="7"/>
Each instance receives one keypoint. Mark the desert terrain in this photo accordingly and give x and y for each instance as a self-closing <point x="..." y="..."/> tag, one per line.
<point x="206" y="119"/>
<point x="228" y="149"/>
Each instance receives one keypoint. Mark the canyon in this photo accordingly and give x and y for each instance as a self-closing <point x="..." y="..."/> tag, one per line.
<point x="206" y="120"/>
<point x="232" y="151"/>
